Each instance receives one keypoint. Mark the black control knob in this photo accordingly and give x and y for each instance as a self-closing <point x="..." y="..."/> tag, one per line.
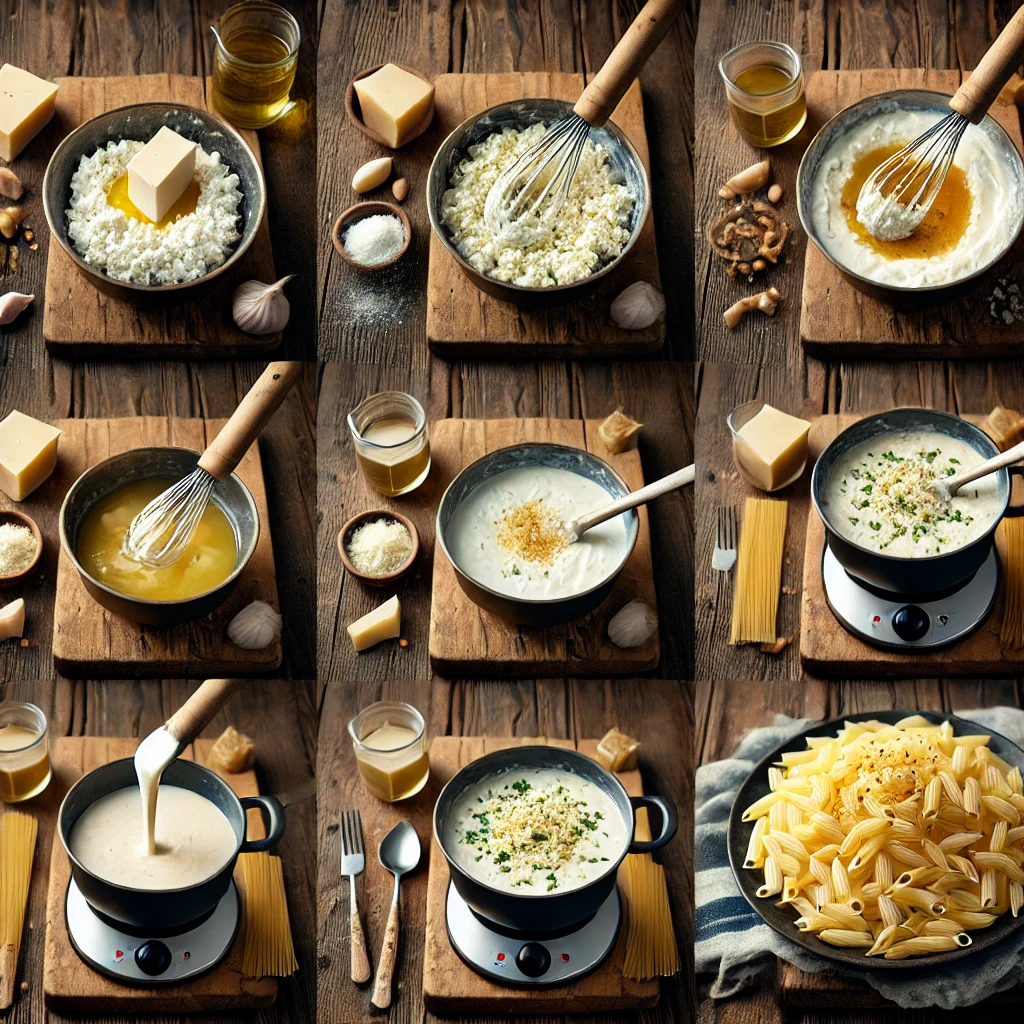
<point x="910" y="622"/>
<point x="153" y="957"/>
<point x="533" y="960"/>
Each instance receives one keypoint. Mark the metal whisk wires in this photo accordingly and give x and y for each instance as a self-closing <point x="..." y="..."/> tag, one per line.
<point x="162" y="531"/>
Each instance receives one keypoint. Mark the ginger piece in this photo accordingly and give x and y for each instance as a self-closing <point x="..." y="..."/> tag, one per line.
<point x="619" y="432"/>
<point x="765" y="301"/>
<point x="750" y="179"/>
<point x="232" y="752"/>
<point x="617" y="752"/>
<point x="1004" y="426"/>
<point x="777" y="646"/>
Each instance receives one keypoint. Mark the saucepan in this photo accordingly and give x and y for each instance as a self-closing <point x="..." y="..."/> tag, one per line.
<point x="544" y="913"/>
<point x="164" y="909"/>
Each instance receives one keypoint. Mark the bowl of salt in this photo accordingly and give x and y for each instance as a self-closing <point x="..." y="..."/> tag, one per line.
<point x="372" y="235"/>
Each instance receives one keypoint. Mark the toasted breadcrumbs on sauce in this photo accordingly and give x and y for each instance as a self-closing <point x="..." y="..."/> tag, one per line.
<point x="533" y="531"/>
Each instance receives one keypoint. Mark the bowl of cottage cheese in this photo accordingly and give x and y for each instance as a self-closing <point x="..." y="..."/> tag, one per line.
<point x="605" y="210"/>
<point x="973" y="222"/>
<point x="132" y="258"/>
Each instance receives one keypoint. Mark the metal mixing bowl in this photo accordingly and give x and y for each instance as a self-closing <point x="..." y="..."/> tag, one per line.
<point x="141" y="122"/>
<point x="888" y="103"/>
<point x="522" y="114"/>
<point x="551" y="611"/>
<point x="230" y="495"/>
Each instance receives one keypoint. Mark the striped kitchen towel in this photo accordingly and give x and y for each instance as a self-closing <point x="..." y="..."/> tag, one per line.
<point x="738" y="948"/>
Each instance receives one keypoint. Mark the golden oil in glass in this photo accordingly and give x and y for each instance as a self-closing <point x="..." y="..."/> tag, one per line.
<point x="24" y="752"/>
<point x="389" y="431"/>
<point x="764" y="86"/>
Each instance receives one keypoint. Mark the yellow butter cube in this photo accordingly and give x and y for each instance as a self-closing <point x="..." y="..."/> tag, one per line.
<point x="160" y="172"/>
<point x="26" y="105"/>
<point x="28" y="454"/>
<point x="382" y="623"/>
<point x="394" y="103"/>
<point x="771" y="448"/>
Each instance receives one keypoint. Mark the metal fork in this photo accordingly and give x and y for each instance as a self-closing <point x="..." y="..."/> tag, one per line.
<point x="353" y="861"/>
<point x="723" y="558"/>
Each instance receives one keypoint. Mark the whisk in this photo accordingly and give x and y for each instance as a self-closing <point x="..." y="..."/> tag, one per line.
<point x="162" y="531"/>
<point x="527" y="196"/>
<point x="899" y="192"/>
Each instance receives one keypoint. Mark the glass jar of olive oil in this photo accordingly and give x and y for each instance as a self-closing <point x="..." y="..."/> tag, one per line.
<point x="254" y="61"/>
<point x="389" y="431"/>
<point x="24" y="752"/>
<point x="764" y="84"/>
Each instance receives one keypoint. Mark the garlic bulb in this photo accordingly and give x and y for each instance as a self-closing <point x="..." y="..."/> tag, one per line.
<point x="256" y="626"/>
<point x="638" y="306"/>
<point x="12" y="304"/>
<point x="260" y="308"/>
<point x="632" y="624"/>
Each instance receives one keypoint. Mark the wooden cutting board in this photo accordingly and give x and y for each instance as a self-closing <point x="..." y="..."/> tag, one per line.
<point x="91" y="642"/>
<point x="826" y="649"/>
<point x="80" y="322"/>
<point x="69" y="985"/>
<point x="449" y="986"/>
<point x="839" y="322"/>
<point x="463" y="322"/>
<point x="466" y="641"/>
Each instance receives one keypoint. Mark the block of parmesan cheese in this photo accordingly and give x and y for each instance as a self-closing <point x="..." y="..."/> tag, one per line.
<point x="28" y="454"/>
<point x="395" y="104"/>
<point x="26" y="105"/>
<point x="382" y="623"/>
<point x="160" y="172"/>
<point x="770" y="449"/>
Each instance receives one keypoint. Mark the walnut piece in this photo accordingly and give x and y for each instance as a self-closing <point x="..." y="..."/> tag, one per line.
<point x="749" y="231"/>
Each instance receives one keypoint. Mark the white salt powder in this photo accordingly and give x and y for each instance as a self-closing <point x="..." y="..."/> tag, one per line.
<point x="374" y="240"/>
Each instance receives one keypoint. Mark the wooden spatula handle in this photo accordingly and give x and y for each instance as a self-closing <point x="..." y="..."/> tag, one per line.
<point x="1000" y="461"/>
<point x="672" y="482"/>
<point x="249" y="419"/>
<point x="386" y="965"/>
<point x="194" y="715"/>
<point x="1002" y="58"/>
<point x="638" y="42"/>
<point x="360" y="958"/>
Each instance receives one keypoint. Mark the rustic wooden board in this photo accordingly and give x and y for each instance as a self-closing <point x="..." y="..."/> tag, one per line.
<point x="463" y="322"/>
<point x="467" y="641"/>
<point x="449" y="986"/>
<point x="69" y="985"/>
<point x="839" y="322"/>
<point x="80" y="322"/>
<point x="91" y="642"/>
<point x="826" y="649"/>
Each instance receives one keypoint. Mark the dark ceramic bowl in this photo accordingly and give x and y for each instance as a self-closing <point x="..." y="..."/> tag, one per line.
<point x="230" y="495"/>
<point x="521" y="114"/>
<point x="141" y="122"/>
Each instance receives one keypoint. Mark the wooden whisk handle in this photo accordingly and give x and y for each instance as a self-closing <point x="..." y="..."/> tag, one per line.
<point x="248" y="420"/>
<point x="195" y="714"/>
<point x="1002" y="58"/>
<point x="639" y="41"/>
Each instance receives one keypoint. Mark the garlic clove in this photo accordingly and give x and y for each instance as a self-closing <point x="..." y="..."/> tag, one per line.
<point x="372" y="174"/>
<point x="638" y="306"/>
<point x="255" y="627"/>
<point x="632" y="625"/>
<point x="12" y="304"/>
<point x="12" y="619"/>
<point x="259" y="308"/>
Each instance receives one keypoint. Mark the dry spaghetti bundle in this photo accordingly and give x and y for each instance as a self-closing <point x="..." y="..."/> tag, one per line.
<point x="268" y="935"/>
<point x="759" y="572"/>
<point x="1011" y="535"/>
<point x="17" y="848"/>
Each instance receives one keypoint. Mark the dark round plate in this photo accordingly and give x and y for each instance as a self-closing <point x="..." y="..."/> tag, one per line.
<point x="783" y="919"/>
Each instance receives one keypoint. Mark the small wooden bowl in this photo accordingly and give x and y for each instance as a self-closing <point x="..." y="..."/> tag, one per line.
<point x="370" y="208"/>
<point x="355" y="114"/>
<point x="370" y="516"/>
<point x="20" y="519"/>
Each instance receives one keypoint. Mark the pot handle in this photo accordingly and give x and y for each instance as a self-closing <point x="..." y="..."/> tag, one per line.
<point x="669" y="822"/>
<point x="273" y="817"/>
<point x="1013" y="511"/>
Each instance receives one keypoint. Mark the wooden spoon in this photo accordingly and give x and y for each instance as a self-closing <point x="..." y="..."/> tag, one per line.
<point x="945" y="488"/>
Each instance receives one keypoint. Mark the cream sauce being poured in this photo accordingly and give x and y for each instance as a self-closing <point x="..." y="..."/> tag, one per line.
<point x="155" y="753"/>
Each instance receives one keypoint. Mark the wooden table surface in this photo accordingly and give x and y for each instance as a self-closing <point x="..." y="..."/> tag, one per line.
<point x="281" y="717"/>
<point x="656" y="713"/>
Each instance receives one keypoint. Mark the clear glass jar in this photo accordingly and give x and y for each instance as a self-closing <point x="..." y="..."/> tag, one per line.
<point x="389" y="430"/>
<point x="24" y="752"/>
<point x="764" y="84"/>
<point x="254" y="62"/>
<point x="750" y="465"/>
<point x="390" y="743"/>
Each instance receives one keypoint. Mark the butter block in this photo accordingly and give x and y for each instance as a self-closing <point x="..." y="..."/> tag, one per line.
<point x="28" y="454"/>
<point x="159" y="174"/>
<point x="770" y="449"/>
<point x="383" y="623"/>
<point x="394" y="103"/>
<point x="26" y="105"/>
<point x="617" y="752"/>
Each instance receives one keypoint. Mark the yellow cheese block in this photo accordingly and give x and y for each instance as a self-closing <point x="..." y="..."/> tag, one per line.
<point x="160" y="172"/>
<point x="28" y="454"/>
<point x="771" y="448"/>
<point x="382" y="623"/>
<point x="26" y="105"/>
<point x="394" y="103"/>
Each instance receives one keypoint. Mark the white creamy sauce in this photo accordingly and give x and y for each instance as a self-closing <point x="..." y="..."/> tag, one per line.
<point x="996" y="191"/>
<point x="473" y="534"/>
<point x="878" y="495"/>
<point x="154" y="754"/>
<point x="535" y="831"/>
<point x="194" y="840"/>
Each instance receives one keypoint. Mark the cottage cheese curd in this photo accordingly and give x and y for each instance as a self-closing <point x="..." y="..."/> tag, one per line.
<point x="590" y="230"/>
<point x="128" y="249"/>
<point x="951" y="243"/>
